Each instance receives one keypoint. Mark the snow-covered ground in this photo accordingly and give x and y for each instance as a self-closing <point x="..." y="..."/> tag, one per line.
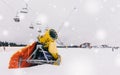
<point x="75" y="61"/>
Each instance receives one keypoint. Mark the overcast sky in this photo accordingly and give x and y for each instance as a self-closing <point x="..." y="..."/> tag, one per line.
<point x="94" y="21"/>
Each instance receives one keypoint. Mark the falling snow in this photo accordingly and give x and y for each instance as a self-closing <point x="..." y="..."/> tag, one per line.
<point x="101" y="34"/>
<point x="54" y="6"/>
<point x="113" y="9"/>
<point x="92" y="7"/>
<point x="118" y="5"/>
<point x="66" y="24"/>
<point x="1" y="17"/>
<point x="105" y="0"/>
<point x="26" y="0"/>
<point x="42" y="18"/>
<point x="5" y="33"/>
<point x="21" y="16"/>
<point x="90" y="21"/>
<point x="73" y="29"/>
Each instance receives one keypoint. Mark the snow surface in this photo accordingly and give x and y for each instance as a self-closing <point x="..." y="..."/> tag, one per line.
<point x="75" y="61"/>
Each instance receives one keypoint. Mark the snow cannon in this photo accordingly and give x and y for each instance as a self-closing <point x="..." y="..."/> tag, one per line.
<point x="44" y="51"/>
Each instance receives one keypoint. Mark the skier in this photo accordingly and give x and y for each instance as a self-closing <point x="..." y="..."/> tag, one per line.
<point x="4" y="48"/>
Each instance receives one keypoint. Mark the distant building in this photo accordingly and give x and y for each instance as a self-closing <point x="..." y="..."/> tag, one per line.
<point x="85" y="45"/>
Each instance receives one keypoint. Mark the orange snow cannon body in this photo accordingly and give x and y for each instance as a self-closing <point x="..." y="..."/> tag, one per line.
<point x="19" y="59"/>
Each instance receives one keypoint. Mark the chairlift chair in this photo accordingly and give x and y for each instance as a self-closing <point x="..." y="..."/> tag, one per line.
<point x="24" y="10"/>
<point x="39" y="31"/>
<point x="31" y="27"/>
<point x="17" y="19"/>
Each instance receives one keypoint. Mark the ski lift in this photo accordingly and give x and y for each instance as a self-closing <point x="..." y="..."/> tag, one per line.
<point x="24" y="10"/>
<point x="17" y="19"/>
<point x="39" y="31"/>
<point x="31" y="27"/>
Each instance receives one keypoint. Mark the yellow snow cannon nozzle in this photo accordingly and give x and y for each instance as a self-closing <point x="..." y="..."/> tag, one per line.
<point x="49" y="36"/>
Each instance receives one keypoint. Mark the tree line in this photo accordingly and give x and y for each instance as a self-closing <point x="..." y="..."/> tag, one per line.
<point x="10" y="44"/>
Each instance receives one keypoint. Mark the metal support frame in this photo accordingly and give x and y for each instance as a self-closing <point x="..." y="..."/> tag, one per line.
<point x="35" y="61"/>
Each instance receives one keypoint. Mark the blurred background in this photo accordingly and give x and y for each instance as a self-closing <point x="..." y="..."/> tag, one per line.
<point x="76" y="21"/>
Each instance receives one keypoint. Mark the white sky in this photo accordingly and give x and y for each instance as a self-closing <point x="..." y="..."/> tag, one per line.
<point x="95" y="21"/>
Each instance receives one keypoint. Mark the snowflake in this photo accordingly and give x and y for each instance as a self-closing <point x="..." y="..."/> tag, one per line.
<point x="92" y="7"/>
<point x="113" y="9"/>
<point x="1" y="17"/>
<point x="26" y="0"/>
<point x="54" y="6"/>
<point x="101" y="34"/>
<point x="31" y="34"/>
<point x="64" y="9"/>
<point x="42" y="18"/>
<point x="21" y="16"/>
<point x="5" y="32"/>
<point x="105" y="0"/>
<point x="97" y="19"/>
<point x="118" y="5"/>
<point x="66" y="24"/>
<point x="73" y="29"/>
<point x="71" y="44"/>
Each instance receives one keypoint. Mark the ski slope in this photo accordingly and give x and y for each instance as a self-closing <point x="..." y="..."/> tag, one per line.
<point x="75" y="61"/>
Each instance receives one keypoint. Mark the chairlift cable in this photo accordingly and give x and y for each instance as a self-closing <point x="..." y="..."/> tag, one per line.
<point x="69" y="15"/>
<point x="61" y="26"/>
